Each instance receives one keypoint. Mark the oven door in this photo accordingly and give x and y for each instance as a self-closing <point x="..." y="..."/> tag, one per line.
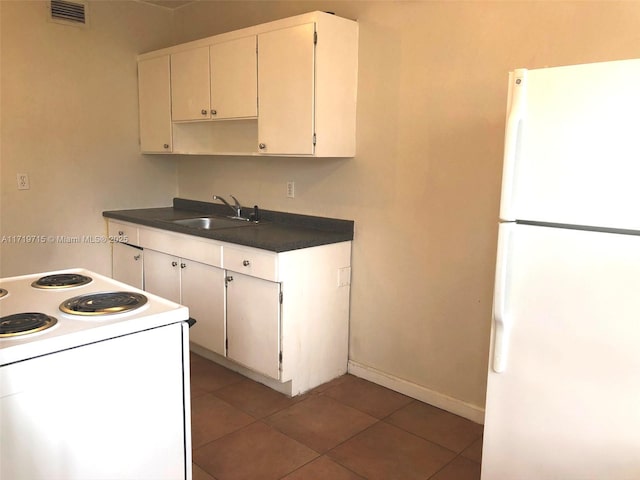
<point x="113" y="409"/>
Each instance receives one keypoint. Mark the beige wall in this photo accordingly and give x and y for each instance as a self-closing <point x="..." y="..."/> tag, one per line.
<point x="424" y="186"/>
<point x="69" y="120"/>
<point x="423" y="189"/>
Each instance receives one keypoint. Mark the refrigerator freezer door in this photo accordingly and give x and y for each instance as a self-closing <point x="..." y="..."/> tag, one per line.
<point x="577" y="148"/>
<point x="566" y="404"/>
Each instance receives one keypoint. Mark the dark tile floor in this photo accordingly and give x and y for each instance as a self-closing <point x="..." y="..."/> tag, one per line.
<point x="347" y="429"/>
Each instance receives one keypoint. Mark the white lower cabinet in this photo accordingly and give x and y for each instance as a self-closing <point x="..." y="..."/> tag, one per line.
<point x="196" y="285"/>
<point x="202" y="288"/>
<point x="127" y="264"/>
<point x="253" y="323"/>
<point x="288" y="312"/>
<point x="127" y="257"/>
<point x="279" y="318"/>
<point x="162" y="275"/>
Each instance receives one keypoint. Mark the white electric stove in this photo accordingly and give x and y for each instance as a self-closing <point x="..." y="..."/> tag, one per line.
<point x="94" y="380"/>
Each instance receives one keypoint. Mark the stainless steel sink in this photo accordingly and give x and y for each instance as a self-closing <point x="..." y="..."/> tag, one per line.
<point x="212" y="223"/>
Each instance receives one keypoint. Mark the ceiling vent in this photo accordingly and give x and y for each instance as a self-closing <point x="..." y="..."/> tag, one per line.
<point x="69" y="12"/>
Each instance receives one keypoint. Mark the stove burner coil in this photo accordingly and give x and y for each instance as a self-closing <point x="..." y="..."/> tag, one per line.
<point x="3" y="292"/>
<point x="25" y="323"/>
<point x="103" y="303"/>
<point x="62" y="280"/>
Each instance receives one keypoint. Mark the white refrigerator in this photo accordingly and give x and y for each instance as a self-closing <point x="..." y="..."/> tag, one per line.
<point x="563" y="391"/>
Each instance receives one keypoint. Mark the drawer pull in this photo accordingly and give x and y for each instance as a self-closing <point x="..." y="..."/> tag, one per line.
<point x="182" y="265"/>
<point x="174" y="264"/>
<point x="246" y="263"/>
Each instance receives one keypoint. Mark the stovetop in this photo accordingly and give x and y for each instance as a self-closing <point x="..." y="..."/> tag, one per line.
<point x="74" y="326"/>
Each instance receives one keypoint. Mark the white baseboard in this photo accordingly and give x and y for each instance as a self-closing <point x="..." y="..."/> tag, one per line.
<point x="413" y="390"/>
<point x="282" y="387"/>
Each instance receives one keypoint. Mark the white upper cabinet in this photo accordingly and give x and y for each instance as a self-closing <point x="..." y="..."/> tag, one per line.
<point x="286" y="90"/>
<point x="155" y="105"/>
<point x="216" y="82"/>
<point x="190" y="85"/>
<point x="234" y="79"/>
<point x="290" y="85"/>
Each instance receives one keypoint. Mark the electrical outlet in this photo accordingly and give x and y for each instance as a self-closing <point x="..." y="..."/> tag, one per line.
<point x="23" y="181"/>
<point x="291" y="189"/>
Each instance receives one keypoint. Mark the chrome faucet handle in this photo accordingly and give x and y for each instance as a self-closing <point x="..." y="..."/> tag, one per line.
<point x="238" y="207"/>
<point x="218" y="197"/>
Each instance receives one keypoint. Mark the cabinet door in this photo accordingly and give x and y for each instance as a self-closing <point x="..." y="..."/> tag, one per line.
<point x="253" y="323"/>
<point x="190" y="85"/>
<point x="203" y="292"/>
<point x="162" y="275"/>
<point x="154" y="99"/>
<point x="234" y="78"/>
<point x="127" y="264"/>
<point x="286" y="90"/>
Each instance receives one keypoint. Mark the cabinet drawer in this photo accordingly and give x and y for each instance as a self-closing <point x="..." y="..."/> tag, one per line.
<point x="124" y="232"/>
<point x="181" y="245"/>
<point x="254" y="262"/>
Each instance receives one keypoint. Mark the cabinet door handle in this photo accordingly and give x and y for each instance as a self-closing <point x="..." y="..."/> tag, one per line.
<point x="246" y="263"/>
<point x="174" y="264"/>
<point x="228" y="278"/>
<point x="120" y="233"/>
<point x="203" y="111"/>
<point x="166" y="145"/>
<point x="182" y="265"/>
<point x="214" y="112"/>
<point x="262" y="146"/>
<point x="136" y="257"/>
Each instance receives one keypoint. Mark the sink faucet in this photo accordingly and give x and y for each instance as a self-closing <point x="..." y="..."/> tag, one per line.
<point x="235" y="208"/>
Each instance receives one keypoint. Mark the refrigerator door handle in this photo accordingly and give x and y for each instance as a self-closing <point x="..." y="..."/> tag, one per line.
<point x="517" y="111"/>
<point x="502" y="325"/>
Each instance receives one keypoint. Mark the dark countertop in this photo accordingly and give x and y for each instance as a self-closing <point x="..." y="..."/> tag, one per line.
<point x="276" y="231"/>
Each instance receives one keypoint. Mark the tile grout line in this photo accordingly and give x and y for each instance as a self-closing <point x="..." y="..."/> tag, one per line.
<point x="451" y="461"/>
<point x="320" y="454"/>
<point x="345" y="441"/>
<point x="310" y="394"/>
